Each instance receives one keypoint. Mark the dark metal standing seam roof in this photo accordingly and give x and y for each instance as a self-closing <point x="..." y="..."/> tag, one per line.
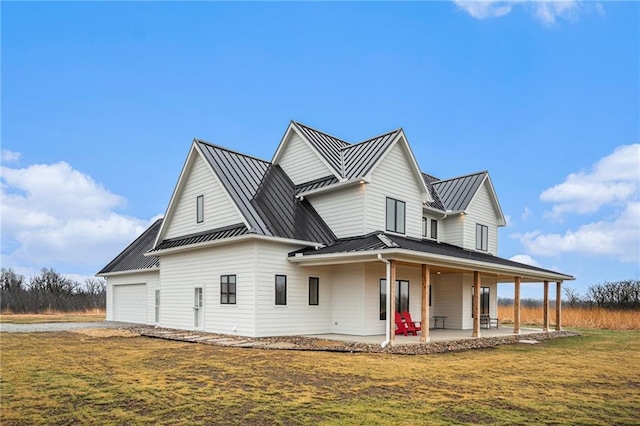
<point x="266" y="196"/>
<point x="371" y="241"/>
<point x="201" y="237"/>
<point x="457" y="193"/>
<point x="360" y="158"/>
<point x="328" y="146"/>
<point x="315" y="184"/>
<point x="132" y="258"/>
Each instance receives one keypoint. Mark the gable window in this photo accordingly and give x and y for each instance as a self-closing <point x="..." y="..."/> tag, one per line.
<point x="200" y="209"/>
<point x="402" y="297"/>
<point x="228" y="289"/>
<point x="395" y="215"/>
<point x="484" y="300"/>
<point x="314" y="290"/>
<point x="434" y="229"/>
<point x="482" y="237"/>
<point x="281" y="289"/>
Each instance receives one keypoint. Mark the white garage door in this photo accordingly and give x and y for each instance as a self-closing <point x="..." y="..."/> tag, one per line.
<point x="130" y="303"/>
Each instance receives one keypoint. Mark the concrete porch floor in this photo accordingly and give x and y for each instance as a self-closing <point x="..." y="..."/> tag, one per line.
<point x="436" y="335"/>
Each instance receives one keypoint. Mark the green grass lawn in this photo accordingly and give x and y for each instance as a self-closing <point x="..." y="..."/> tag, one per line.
<point x="72" y="378"/>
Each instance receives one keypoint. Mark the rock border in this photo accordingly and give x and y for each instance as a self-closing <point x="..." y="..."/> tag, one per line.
<point x="302" y="343"/>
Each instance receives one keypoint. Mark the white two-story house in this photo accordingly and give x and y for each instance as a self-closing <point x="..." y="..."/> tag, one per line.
<point x="310" y="242"/>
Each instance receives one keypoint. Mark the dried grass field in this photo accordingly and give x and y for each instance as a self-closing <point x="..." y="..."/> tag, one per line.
<point x="585" y="317"/>
<point x="102" y="377"/>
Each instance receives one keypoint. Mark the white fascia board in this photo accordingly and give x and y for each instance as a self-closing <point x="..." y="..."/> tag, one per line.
<point x="430" y="259"/>
<point x="133" y="271"/>
<point x="335" y="186"/>
<point x="493" y="195"/>
<point x="177" y="189"/>
<point x="285" y="141"/>
<point x="231" y="240"/>
<point x="229" y="197"/>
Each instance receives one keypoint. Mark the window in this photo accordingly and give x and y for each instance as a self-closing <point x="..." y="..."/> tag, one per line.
<point x="228" y="289"/>
<point x="200" y="209"/>
<point x="482" y="237"/>
<point x="434" y="229"/>
<point x="197" y="307"/>
<point x="484" y="300"/>
<point x="430" y="293"/>
<point x="281" y="289"/>
<point x="395" y="215"/>
<point x="314" y="287"/>
<point x="157" y="313"/>
<point x="402" y="297"/>
<point x="424" y="227"/>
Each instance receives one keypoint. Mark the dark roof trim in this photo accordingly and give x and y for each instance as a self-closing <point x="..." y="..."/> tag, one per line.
<point x="372" y="243"/>
<point x="132" y="257"/>
<point x="202" y="237"/>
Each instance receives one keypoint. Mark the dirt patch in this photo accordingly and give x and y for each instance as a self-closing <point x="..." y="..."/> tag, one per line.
<point x="105" y="332"/>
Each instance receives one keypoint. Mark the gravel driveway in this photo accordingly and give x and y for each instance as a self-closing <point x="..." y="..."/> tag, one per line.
<point x="62" y="326"/>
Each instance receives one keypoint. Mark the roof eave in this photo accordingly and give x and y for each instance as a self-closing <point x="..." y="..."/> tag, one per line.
<point x="132" y="271"/>
<point x="527" y="275"/>
<point x="335" y="186"/>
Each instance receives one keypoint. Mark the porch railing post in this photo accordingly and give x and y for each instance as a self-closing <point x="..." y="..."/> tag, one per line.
<point x="516" y="306"/>
<point x="476" y="304"/>
<point x="392" y="303"/>
<point x="559" y="306"/>
<point x="424" y="320"/>
<point x="545" y="304"/>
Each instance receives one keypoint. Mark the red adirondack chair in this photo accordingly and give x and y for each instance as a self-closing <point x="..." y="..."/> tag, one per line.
<point x="411" y="323"/>
<point x="404" y="327"/>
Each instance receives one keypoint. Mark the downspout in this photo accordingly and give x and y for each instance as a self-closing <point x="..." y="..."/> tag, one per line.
<point x="388" y="321"/>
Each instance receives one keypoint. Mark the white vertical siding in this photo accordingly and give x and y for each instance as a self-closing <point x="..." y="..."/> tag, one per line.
<point x="150" y="278"/>
<point x="297" y="316"/>
<point x="482" y="211"/>
<point x="447" y="299"/>
<point x="219" y="210"/>
<point x="348" y="299"/>
<point x="182" y="272"/>
<point x="393" y="178"/>
<point x="453" y="230"/>
<point x="300" y="162"/>
<point x="343" y="210"/>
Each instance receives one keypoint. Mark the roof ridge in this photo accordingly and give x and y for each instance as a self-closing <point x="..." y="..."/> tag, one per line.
<point x="371" y="139"/>
<point x="213" y="145"/>
<point x="460" y="177"/>
<point x="320" y="131"/>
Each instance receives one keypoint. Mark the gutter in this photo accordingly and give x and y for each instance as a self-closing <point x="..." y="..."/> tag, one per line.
<point x="388" y="321"/>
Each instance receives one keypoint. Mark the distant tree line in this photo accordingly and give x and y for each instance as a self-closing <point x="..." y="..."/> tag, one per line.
<point x="623" y="295"/>
<point x="50" y="291"/>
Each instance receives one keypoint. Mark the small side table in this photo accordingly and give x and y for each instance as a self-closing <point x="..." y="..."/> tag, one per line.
<point x="437" y="319"/>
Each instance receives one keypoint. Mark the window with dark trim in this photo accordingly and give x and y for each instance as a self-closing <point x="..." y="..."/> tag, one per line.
<point x="484" y="300"/>
<point x="200" y="209"/>
<point x="314" y="291"/>
<point x="430" y="294"/>
<point x="281" y="289"/>
<point x="434" y="229"/>
<point x="396" y="215"/>
<point x="482" y="237"/>
<point x="402" y="297"/>
<point x="228" y="289"/>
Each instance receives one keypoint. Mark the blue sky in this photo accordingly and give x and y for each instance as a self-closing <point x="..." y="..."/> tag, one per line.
<point x="100" y="103"/>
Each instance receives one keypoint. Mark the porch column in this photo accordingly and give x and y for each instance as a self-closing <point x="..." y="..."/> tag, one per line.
<point x="424" y="323"/>
<point x="559" y="306"/>
<point x="545" y="305"/>
<point x="516" y="306"/>
<point x="476" y="304"/>
<point x="392" y="302"/>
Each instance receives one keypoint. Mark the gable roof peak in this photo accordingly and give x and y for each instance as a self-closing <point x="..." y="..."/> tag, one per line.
<point x="336" y="139"/>
<point x="231" y="151"/>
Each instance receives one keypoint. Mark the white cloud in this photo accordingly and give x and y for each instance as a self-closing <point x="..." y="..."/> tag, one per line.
<point x="619" y="238"/>
<point x="484" y="9"/>
<point x="526" y="214"/>
<point x="615" y="179"/>
<point x="548" y="12"/>
<point x="525" y="258"/>
<point x="10" y="156"/>
<point x="53" y="214"/>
